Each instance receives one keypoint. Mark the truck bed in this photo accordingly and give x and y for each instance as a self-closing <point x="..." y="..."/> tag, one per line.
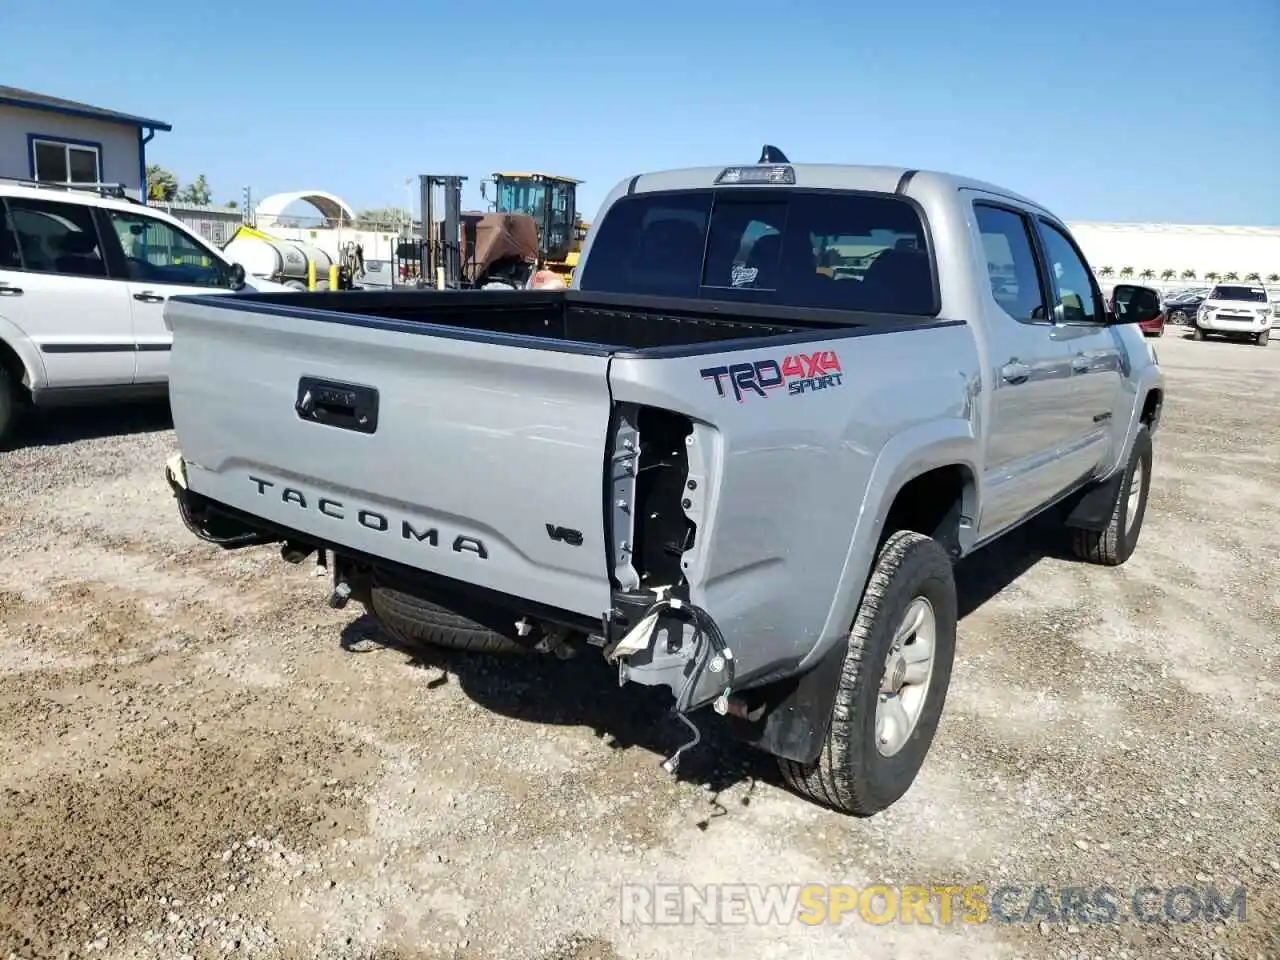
<point x="590" y="323"/>
<point x="490" y="439"/>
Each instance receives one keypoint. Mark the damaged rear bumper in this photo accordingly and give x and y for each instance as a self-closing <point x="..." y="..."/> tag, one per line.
<point x="655" y="640"/>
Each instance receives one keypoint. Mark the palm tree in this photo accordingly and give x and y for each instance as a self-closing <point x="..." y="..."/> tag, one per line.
<point x="1188" y="274"/>
<point x="1253" y="277"/>
<point x="1168" y="274"/>
<point x="1273" y="278"/>
<point x="1106" y="271"/>
<point x="1126" y="271"/>
<point x="1212" y="276"/>
<point x="1232" y="276"/>
<point x="1147" y="274"/>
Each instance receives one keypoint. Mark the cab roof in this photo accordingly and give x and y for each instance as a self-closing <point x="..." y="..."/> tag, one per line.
<point x="545" y="176"/>
<point x="826" y="176"/>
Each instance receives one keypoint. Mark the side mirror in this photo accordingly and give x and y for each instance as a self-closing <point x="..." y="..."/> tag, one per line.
<point x="1134" y="304"/>
<point x="237" y="277"/>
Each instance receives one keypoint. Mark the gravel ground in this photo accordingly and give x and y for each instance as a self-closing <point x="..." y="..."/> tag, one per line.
<point x="199" y="758"/>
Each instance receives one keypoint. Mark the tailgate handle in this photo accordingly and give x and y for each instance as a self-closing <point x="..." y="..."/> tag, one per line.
<point x="347" y="406"/>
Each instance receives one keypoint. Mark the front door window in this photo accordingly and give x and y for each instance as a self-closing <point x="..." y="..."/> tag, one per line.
<point x="157" y="252"/>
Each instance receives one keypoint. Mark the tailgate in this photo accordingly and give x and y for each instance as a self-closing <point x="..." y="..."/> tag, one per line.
<point x="475" y="460"/>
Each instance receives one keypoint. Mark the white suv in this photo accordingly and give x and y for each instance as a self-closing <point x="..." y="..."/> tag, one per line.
<point x="84" y="275"/>
<point x="1236" y="310"/>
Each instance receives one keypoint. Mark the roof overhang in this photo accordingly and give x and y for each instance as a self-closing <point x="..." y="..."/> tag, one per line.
<point x="81" y="110"/>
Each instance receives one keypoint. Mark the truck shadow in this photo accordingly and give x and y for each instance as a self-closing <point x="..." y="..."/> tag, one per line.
<point x="62" y="425"/>
<point x="985" y="574"/>
<point x="584" y="691"/>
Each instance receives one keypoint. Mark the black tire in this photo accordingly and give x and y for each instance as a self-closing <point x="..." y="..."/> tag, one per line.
<point x="413" y="622"/>
<point x="1263" y="337"/>
<point x="10" y="408"/>
<point x="1198" y="334"/>
<point x="851" y="775"/>
<point x="1114" y="544"/>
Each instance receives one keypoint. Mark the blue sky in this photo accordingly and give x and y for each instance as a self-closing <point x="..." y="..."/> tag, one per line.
<point x="1157" y="110"/>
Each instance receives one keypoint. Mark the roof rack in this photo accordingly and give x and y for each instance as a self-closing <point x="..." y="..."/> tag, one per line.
<point x="114" y="190"/>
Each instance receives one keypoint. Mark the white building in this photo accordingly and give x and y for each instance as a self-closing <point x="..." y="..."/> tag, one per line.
<point x="62" y="141"/>
<point x="1163" y="247"/>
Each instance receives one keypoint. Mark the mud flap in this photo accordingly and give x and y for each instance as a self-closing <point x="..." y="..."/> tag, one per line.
<point x="1091" y="509"/>
<point x="790" y="718"/>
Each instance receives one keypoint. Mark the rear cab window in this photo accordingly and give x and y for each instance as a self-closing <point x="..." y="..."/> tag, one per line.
<point x="790" y="248"/>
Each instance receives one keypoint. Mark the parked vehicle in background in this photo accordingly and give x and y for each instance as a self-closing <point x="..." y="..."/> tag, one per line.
<point x="740" y="477"/>
<point x="376" y="276"/>
<point x="1145" y="301"/>
<point x="1235" y="310"/>
<point x="1180" y="308"/>
<point x="84" y="275"/>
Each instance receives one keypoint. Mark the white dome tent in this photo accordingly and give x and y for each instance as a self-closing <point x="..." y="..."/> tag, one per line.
<point x="336" y="211"/>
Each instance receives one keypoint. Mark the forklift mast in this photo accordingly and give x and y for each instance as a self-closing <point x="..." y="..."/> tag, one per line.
<point x="442" y="253"/>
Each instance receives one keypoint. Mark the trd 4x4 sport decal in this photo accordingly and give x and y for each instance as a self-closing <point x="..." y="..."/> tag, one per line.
<point x="799" y="373"/>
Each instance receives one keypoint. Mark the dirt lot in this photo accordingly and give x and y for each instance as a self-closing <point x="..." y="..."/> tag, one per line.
<point x="199" y="758"/>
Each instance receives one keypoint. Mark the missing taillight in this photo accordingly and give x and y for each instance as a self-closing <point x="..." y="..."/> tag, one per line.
<point x="649" y="478"/>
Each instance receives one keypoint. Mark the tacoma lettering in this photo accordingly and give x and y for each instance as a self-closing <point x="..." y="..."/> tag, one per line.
<point x="381" y="523"/>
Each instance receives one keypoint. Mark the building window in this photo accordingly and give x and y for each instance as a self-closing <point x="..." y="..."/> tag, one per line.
<point x="56" y="161"/>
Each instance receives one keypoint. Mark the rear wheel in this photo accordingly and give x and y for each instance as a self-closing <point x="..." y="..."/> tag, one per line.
<point x="416" y="622"/>
<point x="893" y="685"/>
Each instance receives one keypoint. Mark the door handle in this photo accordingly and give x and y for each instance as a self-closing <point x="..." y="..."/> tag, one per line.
<point x="7" y="291"/>
<point x="1015" y="371"/>
<point x="1080" y="364"/>
<point x="146" y="296"/>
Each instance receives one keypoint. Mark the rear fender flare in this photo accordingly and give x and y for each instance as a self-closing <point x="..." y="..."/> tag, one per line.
<point x="797" y="721"/>
<point x="907" y="455"/>
<point x="28" y="355"/>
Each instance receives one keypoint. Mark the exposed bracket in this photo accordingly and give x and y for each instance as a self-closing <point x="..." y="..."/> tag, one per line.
<point x="624" y="466"/>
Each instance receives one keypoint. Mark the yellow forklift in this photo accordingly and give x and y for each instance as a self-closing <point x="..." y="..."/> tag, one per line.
<point x="552" y="201"/>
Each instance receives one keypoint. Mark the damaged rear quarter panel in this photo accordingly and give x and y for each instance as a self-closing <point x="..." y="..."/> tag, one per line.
<point x="790" y="473"/>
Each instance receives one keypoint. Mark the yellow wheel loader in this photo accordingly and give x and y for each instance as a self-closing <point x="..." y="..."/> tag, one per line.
<point x="552" y="201"/>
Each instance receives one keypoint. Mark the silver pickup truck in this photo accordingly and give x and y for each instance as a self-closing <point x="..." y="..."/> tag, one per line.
<point x="739" y="455"/>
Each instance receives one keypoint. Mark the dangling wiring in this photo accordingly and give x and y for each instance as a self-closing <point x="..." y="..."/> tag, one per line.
<point x="248" y="539"/>
<point x="711" y="653"/>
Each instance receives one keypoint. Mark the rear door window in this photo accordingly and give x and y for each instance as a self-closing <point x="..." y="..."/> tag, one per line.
<point x="57" y="237"/>
<point x="1012" y="268"/>
<point x="10" y="258"/>
<point x="837" y="251"/>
